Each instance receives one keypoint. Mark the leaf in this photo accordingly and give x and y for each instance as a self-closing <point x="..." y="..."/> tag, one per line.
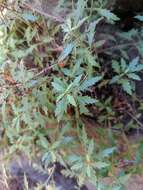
<point x="78" y="166"/>
<point x="68" y="89"/>
<point x="107" y="14"/>
<point x="100" y="165"/>
<point x="133" y="64"/>
<point x="124" y="179"/>
<point x="91" y="31"/>
<point x="100" y="43"/>
<point x="116" y="67"/>
<point x="61" y="107"/>
<point x="127" y="86"/>
<point x="77" y="80"/>
<point x="79" y="11"/>
<point x="123" y="64"/>
<point x="107" y="152"/>
<point x="90" y="59"/>
<point x="134" y="76"/>
<point x="58" y="85"/>
<point x="83" y="110"/>
<point x="86" y="100"/>
<point x="139" y="67"/>
<point x="29" y="17"/>
<point x="114" y="79"/>
<point x="79" y="23"/>
<point x="88" y="171"/>
<point x="90" y="82"/>
<point x="44" y="142"/>
<point x="71" y="100"/>
<point x="91" y="147"/>
<point x="67" y="50"/>
<point x="139" y="17"/>
<point x="74" y="158"/>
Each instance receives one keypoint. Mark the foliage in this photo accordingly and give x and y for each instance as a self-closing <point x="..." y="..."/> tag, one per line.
<point x="125" y="73"/>
<point x="52" y="75"/>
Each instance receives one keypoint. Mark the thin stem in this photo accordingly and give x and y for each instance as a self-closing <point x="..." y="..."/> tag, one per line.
<point x="119" y="46"/>
<point x="135" y="119"/>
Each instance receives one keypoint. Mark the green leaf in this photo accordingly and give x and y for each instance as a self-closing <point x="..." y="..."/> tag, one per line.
<point x="61" y="107"/>
<point x="139" y="67"/>
<point x="124" y="179"/>
<point x="29" y="17"/>
<point x="44" y="143"/>
<point x="79" y="11"/>
<point x="74" y="158"/>
<point x="77" y="80"/>
<point x="133" y="64"/>
<point x="89" y="82"/>
<point x="83" y="110"/>
<point x="107" y="152"/>
<point x="116" y="67"/>
<point x="123" y="64"/>
<point x="91" y="31"/>
<point x="91" y="147"/>
<point x="88" y="171"/>
<point x="71" y="100"/>
<point x="86" y="100"/>
<point x="58" y="85"/>
<point x="139" y="17"/>
<point x="127" y="86"/>
<point x="79" y="23"/>
<point x="100" y="165"/>
<point x="134" y="76"/>
<point x="78" y="166"/>
<point x="100" y="43"/>
<point x="107" y="14"/>
<point x="114" y="79"/>
<point x="67" y="50"/>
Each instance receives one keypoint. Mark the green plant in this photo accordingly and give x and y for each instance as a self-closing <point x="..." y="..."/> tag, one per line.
<point x="53" y="74"/>
<point x="126" y="73"/>
<point x="71" y="94"/>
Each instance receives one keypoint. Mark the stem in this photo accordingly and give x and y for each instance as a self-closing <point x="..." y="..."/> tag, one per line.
<point x="135" y="119"/>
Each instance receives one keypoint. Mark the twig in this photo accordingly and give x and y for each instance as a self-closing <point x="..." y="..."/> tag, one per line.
<point x="56" y="18"/>
<point x="119" y="46"/>
<point x="134" y="118"/>
<point x="53" y="169"/>
<point x="44" y="71"/>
